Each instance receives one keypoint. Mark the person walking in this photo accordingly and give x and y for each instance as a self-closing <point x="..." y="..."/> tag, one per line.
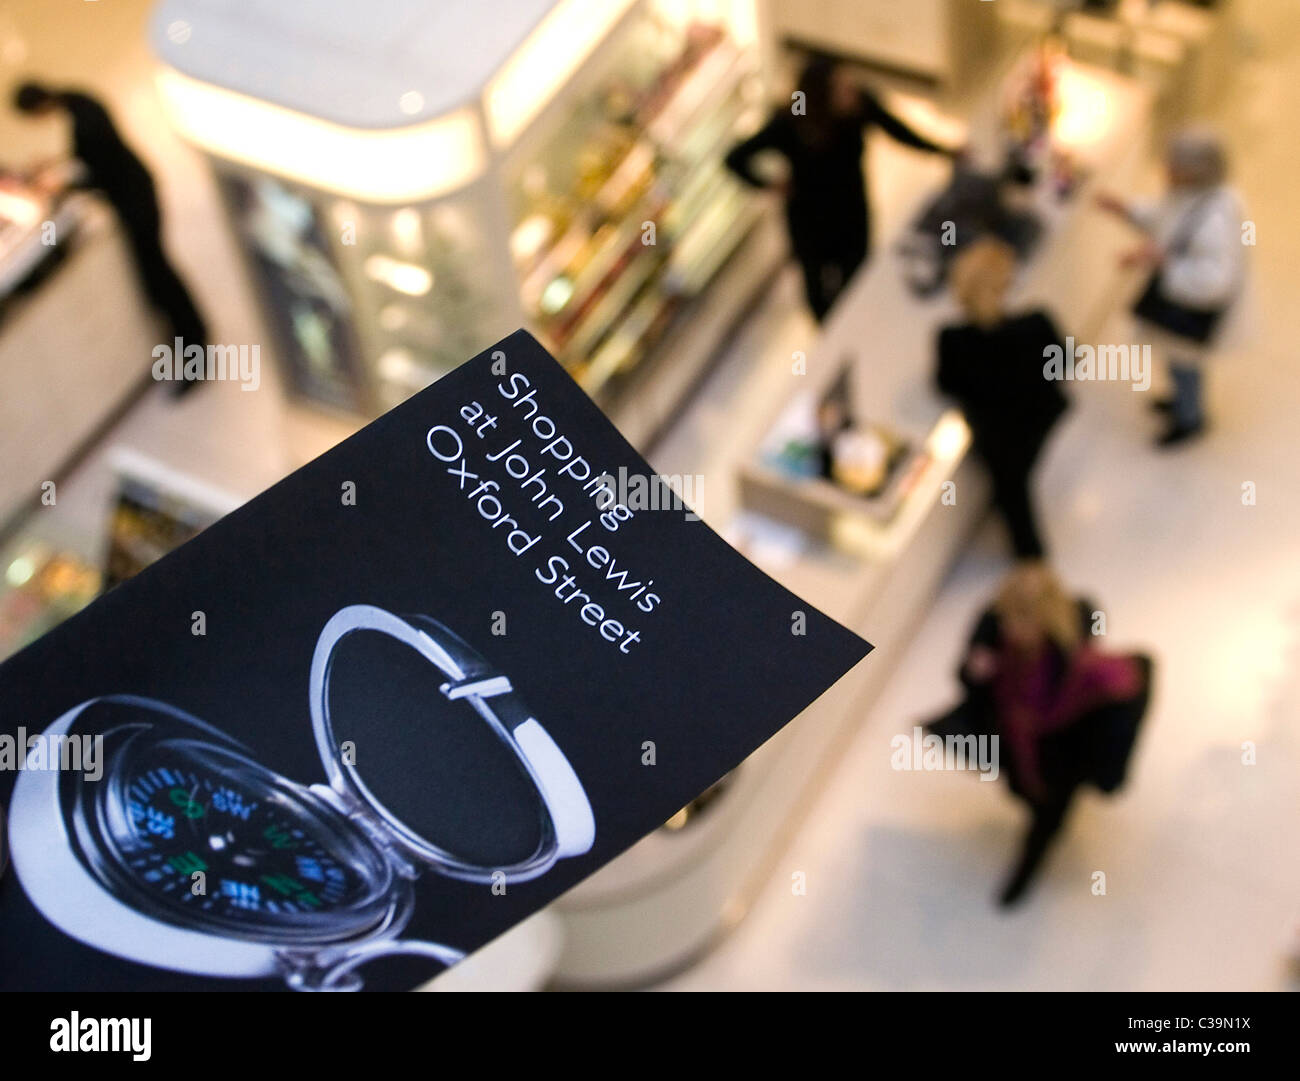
<point x="822" y="139"/>
<point x="992" y="365"/>
<point x="1065" y="712"/>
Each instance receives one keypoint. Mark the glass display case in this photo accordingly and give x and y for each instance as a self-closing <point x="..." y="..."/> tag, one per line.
<point x="553" y="165"/>
<point x="43" y="584"/>
<point x="56" y="559"/>
<point x="627" y="211"/>
<point x="348" y="289"/>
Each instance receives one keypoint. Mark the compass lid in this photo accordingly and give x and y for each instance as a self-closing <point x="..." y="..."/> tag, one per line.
<point x="434" y="746"/>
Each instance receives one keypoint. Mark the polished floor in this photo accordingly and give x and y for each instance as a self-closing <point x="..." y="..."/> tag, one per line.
<point x="1199" y="851"/>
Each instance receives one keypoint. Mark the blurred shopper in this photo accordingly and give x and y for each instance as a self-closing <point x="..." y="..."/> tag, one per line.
<point x="1194" y="253"/>
<point x="106" y="164"/>
<point x="1066" y="713"/>
<point x="993" y="366"/>
<point x="821" y="138"/>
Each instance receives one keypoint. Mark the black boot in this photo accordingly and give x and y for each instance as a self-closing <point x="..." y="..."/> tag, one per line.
<point x="1180" y="433"/>
<point x="1048" y="817"/>
<point x="1186" y="415"/>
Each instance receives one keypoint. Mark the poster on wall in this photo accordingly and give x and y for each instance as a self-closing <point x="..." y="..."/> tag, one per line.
<point x="378" y="715"/>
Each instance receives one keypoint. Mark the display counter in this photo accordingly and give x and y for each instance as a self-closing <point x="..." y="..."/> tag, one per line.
<point x="31" y="227"/>
<point x="65" y="378"/>
<point x="671" y="896"/>
<point x="554" y="164"/>
<point x="1184" y="51"/>
<point x="943" y="41"/>
<point x="52" y="565"/>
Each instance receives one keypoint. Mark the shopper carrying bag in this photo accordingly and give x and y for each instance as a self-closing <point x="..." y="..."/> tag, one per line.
<point x="1066" y="714"/>
<point x="1194" y="252"/>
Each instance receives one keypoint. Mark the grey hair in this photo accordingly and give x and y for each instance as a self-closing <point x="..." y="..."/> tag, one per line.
<point x="1198" y="154"/>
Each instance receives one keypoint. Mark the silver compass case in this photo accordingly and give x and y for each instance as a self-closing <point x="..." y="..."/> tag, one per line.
<point x="62" y="825"/>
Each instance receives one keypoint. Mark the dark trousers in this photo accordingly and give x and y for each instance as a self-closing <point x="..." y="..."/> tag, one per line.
<point x="974" y="716"/>
<point x="1048" y="816"/>
<point x="1013" y="501"/>
<point x="830" y="244"/>
<point x="1188" y="411"/>
<point x="162" y="285"/>
<point x="824" y="277"/>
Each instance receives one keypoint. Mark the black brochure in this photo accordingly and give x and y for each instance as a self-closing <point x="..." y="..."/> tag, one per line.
<point x="387" y="709"/>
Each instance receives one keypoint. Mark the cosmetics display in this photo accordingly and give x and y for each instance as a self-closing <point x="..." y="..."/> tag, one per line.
<point x="50" y="574"/>
<point x="619" y="227"/>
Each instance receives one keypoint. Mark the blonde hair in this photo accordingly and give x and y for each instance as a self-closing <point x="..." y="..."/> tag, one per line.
<point x="1033" y="592"/>
<point x="986" y="267"/>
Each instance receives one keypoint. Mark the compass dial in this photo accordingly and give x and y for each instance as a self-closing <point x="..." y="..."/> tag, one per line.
<point x="214" y="838"/>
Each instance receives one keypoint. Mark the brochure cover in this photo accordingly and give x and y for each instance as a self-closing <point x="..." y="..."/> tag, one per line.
<point x="387" y="709"/>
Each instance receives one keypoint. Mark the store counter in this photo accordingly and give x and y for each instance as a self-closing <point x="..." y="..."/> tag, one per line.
<point x="670" y="897"/>
<point x="75" y="343"/>
<point x="29" y="223"/>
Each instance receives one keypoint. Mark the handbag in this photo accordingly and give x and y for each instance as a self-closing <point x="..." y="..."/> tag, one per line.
<point x="1098" y="748"/>
<point x="1196" y="324"/>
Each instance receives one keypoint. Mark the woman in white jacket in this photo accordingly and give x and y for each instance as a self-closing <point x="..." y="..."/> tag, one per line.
<point x="1194" y="252"/>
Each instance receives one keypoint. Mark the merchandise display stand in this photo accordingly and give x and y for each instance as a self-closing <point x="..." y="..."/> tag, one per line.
<point x="573" y="150"/>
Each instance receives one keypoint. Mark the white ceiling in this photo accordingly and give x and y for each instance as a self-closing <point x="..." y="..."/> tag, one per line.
<point x="347" y="61"/>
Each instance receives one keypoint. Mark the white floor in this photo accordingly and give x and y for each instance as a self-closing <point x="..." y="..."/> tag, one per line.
<point x="1199" y="851"/>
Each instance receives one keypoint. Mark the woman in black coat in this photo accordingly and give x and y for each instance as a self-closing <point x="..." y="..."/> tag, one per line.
<point x="821" y="137"/>
<point x="993" y="366"/>
<point x="1065" y="713"/>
